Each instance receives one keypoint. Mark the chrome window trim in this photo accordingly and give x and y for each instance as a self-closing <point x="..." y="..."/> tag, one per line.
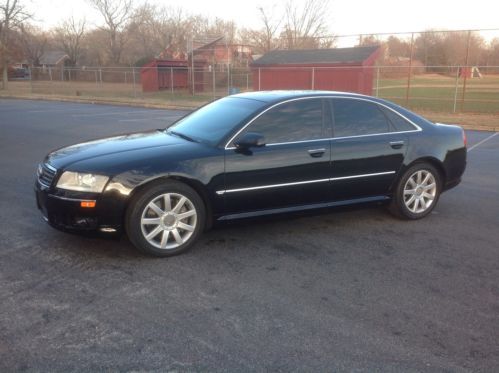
<point x="221" y="192"/>
<point x="417" y="128"/>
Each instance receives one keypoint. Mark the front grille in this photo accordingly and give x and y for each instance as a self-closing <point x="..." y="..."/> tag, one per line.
<point x="46" y="174"/>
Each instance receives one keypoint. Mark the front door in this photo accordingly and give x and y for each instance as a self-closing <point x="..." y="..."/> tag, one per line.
<point x="291" y="170"/>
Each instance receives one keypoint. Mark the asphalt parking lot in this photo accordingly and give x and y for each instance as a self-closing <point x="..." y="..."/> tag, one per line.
<point x="347" y="290"/>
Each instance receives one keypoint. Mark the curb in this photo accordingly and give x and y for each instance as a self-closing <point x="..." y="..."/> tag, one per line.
<point x="94" y="101"/>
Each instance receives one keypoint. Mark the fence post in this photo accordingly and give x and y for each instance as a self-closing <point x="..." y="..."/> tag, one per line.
<point x="228" y="78"/>
<point x="455" y="89"/>
<point x="410" y="70"/>
<point x="30" y="70"/>
<point x="134" y="87"/>
<point x="247" y="82"/>
<point x="100" y="75"/>
<point x="313" y="78"/>
<point x="214" y="81"/>
<point x="171" y="79"/>
<point x="466" y="67"/>
<point x="192" y="67"/>
<point x="259" y="78"/>
<point x="96" y="79"/>
<point x="377" y="81"/>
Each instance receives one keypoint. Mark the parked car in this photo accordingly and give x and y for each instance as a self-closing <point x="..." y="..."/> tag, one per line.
<point x="249" y="155"/>
<point x="17" y="73"/>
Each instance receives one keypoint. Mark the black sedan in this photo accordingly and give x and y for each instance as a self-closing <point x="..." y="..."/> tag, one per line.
<point x="250" y="155"/>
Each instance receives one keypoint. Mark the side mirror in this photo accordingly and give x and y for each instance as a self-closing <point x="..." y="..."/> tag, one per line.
<point x="250" y="140"/>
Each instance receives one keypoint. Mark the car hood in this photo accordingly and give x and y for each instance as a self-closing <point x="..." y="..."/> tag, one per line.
<point x="63" y="157"/>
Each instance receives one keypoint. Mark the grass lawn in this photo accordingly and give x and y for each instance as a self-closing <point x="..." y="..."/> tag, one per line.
<point x="434" y="92"/>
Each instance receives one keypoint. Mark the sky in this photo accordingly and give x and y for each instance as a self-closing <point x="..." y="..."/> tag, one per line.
<point x="347" y="16"/>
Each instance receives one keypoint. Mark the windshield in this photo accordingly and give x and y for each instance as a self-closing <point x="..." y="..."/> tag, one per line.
<point x="211" y="123"/>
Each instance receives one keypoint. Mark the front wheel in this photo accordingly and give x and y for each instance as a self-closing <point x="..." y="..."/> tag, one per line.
<point x="165" y="219"/>
<point x="417" y="192"/>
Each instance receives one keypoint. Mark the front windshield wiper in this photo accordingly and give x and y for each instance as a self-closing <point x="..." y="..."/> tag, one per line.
<point x="185" y="137"/>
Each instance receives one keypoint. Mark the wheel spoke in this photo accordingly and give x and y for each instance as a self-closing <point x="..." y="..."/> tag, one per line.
<point x="176" y="235"/>
<point x="154" y="233"/>
<point x="185" y="227"/>
<point x="419" y="177"/>
<point x="429" y="196"/>
<point x="429" y="186"/>
<point x="410" y="201"/>
<point x="151" y="221"/>
<point x="410" y="191"/>
<point x="155" y="208"/>
<point x="412" y="182"/>
<point x="416" y="205"/>
<point x="426" y="179"/>
<point x="186" y="214"/>
<point x="179" y="204"/>
<point x="168" y="202"/>
<point x="164" y="239"/>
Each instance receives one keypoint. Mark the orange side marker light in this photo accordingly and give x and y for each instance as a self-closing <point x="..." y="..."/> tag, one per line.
<point x="87" y="204"/>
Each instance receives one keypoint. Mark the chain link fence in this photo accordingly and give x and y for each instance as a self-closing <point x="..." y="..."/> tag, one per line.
<point x="447" y="89"/>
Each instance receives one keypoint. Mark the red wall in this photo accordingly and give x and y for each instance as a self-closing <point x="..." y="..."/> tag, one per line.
<point x="157" y="75"/>
<point x="349" y="78"/>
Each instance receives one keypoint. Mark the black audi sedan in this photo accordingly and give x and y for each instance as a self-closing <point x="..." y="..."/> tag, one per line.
<point x="249" y="155"/>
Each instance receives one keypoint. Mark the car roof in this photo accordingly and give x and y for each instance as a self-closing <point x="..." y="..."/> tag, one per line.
<point x="276" y="96"/>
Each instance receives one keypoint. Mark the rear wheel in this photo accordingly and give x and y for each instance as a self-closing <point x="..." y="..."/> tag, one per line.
<point x="417" y="192"/>
<point x="165" y="219"/>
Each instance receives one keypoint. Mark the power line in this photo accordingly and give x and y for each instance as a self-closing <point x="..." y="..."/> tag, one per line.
<point x="394" y="33"/>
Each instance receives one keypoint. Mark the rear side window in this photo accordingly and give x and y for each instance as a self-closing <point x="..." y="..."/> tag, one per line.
<point x="357" y="118"/>
<point x="299" y="120"/>
<point x="399" y="123"/>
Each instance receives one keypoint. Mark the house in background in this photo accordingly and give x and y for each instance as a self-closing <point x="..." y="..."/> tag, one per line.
<point x="53" y="59"/>
<point x="173" y="69"/>
<point x="338" y="69"/>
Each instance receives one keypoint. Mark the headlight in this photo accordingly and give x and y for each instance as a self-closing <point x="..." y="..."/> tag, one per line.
<point x="82" y="182"/>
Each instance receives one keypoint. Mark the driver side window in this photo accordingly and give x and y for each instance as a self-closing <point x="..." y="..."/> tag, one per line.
<point x="298" y="120"/>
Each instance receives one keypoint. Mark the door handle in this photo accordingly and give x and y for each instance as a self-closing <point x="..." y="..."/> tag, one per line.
<point x="396" y="144"/>
<point x="316" y="153"/>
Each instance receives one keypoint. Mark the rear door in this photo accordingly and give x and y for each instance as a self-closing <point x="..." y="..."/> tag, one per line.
<point x="367" y="151"/>
<point x="292" y="169"/>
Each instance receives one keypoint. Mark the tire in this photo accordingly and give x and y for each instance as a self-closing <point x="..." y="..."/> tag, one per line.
<point x="165" y="219"/>
<point x="417" y="192"/>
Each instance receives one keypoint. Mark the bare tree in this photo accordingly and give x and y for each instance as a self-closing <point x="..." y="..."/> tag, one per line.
<point x="265" y="38"/>
<point x="34" y="42"/>
<point x="69" y="35"/>
<point x="117" y="15"/>
<point x="12" y="16"/>
<point x="153" y="30"/>
<point x="270" y="26"/>
<point x="307" y="25"/>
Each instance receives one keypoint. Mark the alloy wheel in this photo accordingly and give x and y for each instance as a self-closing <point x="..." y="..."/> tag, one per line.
<point x="168" y="221"/>
<point x="420" y="191"/>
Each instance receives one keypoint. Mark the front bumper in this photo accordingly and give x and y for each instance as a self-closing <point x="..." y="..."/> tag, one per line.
<point x="63" y="210"/>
